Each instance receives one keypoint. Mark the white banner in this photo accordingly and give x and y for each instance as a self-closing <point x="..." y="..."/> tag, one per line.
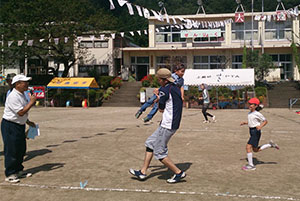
<point x="204" y="33"/>
<point x="219" y="77"/>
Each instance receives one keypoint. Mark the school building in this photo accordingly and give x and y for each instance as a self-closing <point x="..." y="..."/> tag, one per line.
<point x="217" y="42"/>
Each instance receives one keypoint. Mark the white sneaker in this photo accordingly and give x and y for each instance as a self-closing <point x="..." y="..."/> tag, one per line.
<point x="214" y="118"/>
<point x="273" y="145"/>
<point x="205" y="122"/>
<point x="248" y="167"/>
<point x="12" y="179"/>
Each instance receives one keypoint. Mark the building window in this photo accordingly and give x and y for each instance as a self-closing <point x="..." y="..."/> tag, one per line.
<point x="237" y="61"/>
<point x="209" y="62"/>
<point x="243" y="31"/>
<point x="169" y="62"/>
<point x="168" y="34"/>
<point x="100" y="69"/>
<point x="285" y="63"/>
<point x="278" y="30"/>
<point x="211" y="39"/>
<point x="93" y="44"/>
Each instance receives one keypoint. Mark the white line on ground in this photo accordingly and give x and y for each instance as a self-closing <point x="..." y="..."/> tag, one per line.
<point x="267" y="197"/>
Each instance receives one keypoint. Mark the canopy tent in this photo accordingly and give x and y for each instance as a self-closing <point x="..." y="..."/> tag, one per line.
<point x="73" y="83"/>
<point x="219" y="77"/>
<point x="232" y="78"/>
<point x="85" y="83"/>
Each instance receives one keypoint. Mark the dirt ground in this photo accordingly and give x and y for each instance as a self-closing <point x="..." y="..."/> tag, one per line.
<point x="99" y="145"/>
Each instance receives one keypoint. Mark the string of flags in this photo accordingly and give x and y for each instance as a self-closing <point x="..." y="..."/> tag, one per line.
<point x="280" y="15"/>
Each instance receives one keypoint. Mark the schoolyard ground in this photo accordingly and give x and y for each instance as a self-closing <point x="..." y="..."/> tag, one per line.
<point x="85" y="154"/>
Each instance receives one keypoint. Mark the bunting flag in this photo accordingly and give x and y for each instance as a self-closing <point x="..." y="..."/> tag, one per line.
<point x="41" y="40"/>
<point x="9" y="43"/>
<point x="130" y="9"/>
<point x="138" y="8"/>
<point x="146" y="13"/>
<point x="66" y="39"/>
<point x="139" y="32"/>
<point x="20" y="42"/>
<point x="113" y="35"/>
<point x="92" y="37"/>
<point x="30" y="43"/>
<point x="112" y="6"/>
<point x="122" y="34"/>
<point x="157" y="30"/>
<point x="102" y="37"/>
<point x="56" y="41"/>
<point x="174" y="21"/>
<point x="132" y="33"/>
<point x="167" y="18"/>
<point x="122" y="2"/>
<point x="145" y="32"/>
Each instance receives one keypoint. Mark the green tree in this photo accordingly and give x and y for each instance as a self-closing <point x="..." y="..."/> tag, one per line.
<point x="49" y="20"/>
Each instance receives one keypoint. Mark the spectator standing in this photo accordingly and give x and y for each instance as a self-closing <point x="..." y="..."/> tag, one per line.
<point x="13" y="128"/>
<point x="206" y="101"/>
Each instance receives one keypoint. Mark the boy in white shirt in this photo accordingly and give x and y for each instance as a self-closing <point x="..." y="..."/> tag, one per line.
<point x="256" y="121"/>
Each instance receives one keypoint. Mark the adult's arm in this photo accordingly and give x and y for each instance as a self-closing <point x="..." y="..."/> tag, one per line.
<point x="23" y="111"/>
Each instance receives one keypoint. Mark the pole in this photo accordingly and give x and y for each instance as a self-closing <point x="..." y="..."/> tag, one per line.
<point x="2" y="49"/>
<point x="252" y="26"/>
<point x="262" y="39"/>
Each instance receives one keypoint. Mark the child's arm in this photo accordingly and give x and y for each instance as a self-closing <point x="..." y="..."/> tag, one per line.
<point x="243" y="123"/>
<point x="262" y="125"/>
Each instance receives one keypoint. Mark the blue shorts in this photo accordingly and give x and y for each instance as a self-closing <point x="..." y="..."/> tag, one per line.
<point x="254" y="137"/>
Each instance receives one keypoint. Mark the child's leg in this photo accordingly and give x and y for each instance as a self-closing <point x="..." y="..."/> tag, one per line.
<point x="148" y="103"/>
<point x="249" y="148"/>
<point x="169" y="163"/>
<point x="147" y="160"/>
<point x="153" y="111"/>
<point x="204" y="108"/>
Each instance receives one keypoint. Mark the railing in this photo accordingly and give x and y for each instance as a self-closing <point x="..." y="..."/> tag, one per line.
<point x="292" y="101"/>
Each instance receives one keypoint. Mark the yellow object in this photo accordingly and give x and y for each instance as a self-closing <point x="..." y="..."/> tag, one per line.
<point x="37" y="103"/>
<point x="73" y="83"/>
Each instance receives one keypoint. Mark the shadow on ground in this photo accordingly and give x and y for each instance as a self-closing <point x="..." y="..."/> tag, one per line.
<point x="45" y="167"/>
<point x="164" y="173"/>
<point x="32" y="154"/>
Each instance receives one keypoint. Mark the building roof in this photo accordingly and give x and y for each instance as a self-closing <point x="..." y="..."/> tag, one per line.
<point x="73" y="83"/>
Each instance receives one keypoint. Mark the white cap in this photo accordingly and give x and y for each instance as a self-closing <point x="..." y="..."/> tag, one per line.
<point x="18" y="78"/>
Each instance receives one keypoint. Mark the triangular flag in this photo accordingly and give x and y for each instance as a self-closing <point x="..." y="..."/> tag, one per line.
<point x="113" y="35"/>
<point x="132" y="33"/>
<point x="92" y="37"/>
<point x="56" y="41"/>
<point x="130" y="9"/>
<point x="9" y="43"/>
<point x="112" y="6"/>
<point x="157" y="16"/>
<point x="180" y="18"/>
<point x="167" y="18"/>
<point x="139" y="32"/>
<point x="30" y="43"/>
<point x="66" y="39"/>
<point x="139" y="10"/>
<point x="122" y="2"/>
<point x="174" y="21"/>
<point x="145" y="32"/>
<point x="157" y="30"/>
<point x="102" y="37"/>
<point x="41" y="40"/>
<point x="122" y="34"/>
<point x="269" y="18"/>
<point x="20" y="42"/>
<point x="296" y="11"/>
<point x="146" y="13"/>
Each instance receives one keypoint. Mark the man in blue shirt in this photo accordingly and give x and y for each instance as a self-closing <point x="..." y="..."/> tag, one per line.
<point x="170" y="104"/>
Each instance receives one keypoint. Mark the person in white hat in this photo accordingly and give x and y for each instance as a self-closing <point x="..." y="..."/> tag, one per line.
<point x="13" y="128"/>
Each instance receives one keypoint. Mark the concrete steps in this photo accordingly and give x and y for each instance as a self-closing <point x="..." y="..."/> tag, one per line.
<point x="126" y="96"/>
<point x="281" y="93"/>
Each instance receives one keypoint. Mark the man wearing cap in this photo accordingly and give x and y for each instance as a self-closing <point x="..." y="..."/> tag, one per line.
<point x="170" y="104"/>
<point x="13" y="128"/>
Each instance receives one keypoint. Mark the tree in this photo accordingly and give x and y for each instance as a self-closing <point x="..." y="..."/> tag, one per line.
<point x="52" y="21"/>
<point x="262" y="63"/>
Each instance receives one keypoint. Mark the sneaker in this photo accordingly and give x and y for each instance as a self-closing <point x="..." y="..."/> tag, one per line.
<point x="138" y="114"/>
<point x="138" y="174"/>
<point x="12" y="179"/>
<point x="23" y="174"/>
<point x="146" y="119"/>
<point x="248" y="167"/>
<point x="205" y="121"/>
<point x="214" y="119"/>
<point x="273" y="145"/>
<point x="176" y="177"/>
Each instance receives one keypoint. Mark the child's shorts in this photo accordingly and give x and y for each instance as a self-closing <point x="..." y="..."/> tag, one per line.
<point x="158" y="142"/>
<point x="254" y="137"/>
